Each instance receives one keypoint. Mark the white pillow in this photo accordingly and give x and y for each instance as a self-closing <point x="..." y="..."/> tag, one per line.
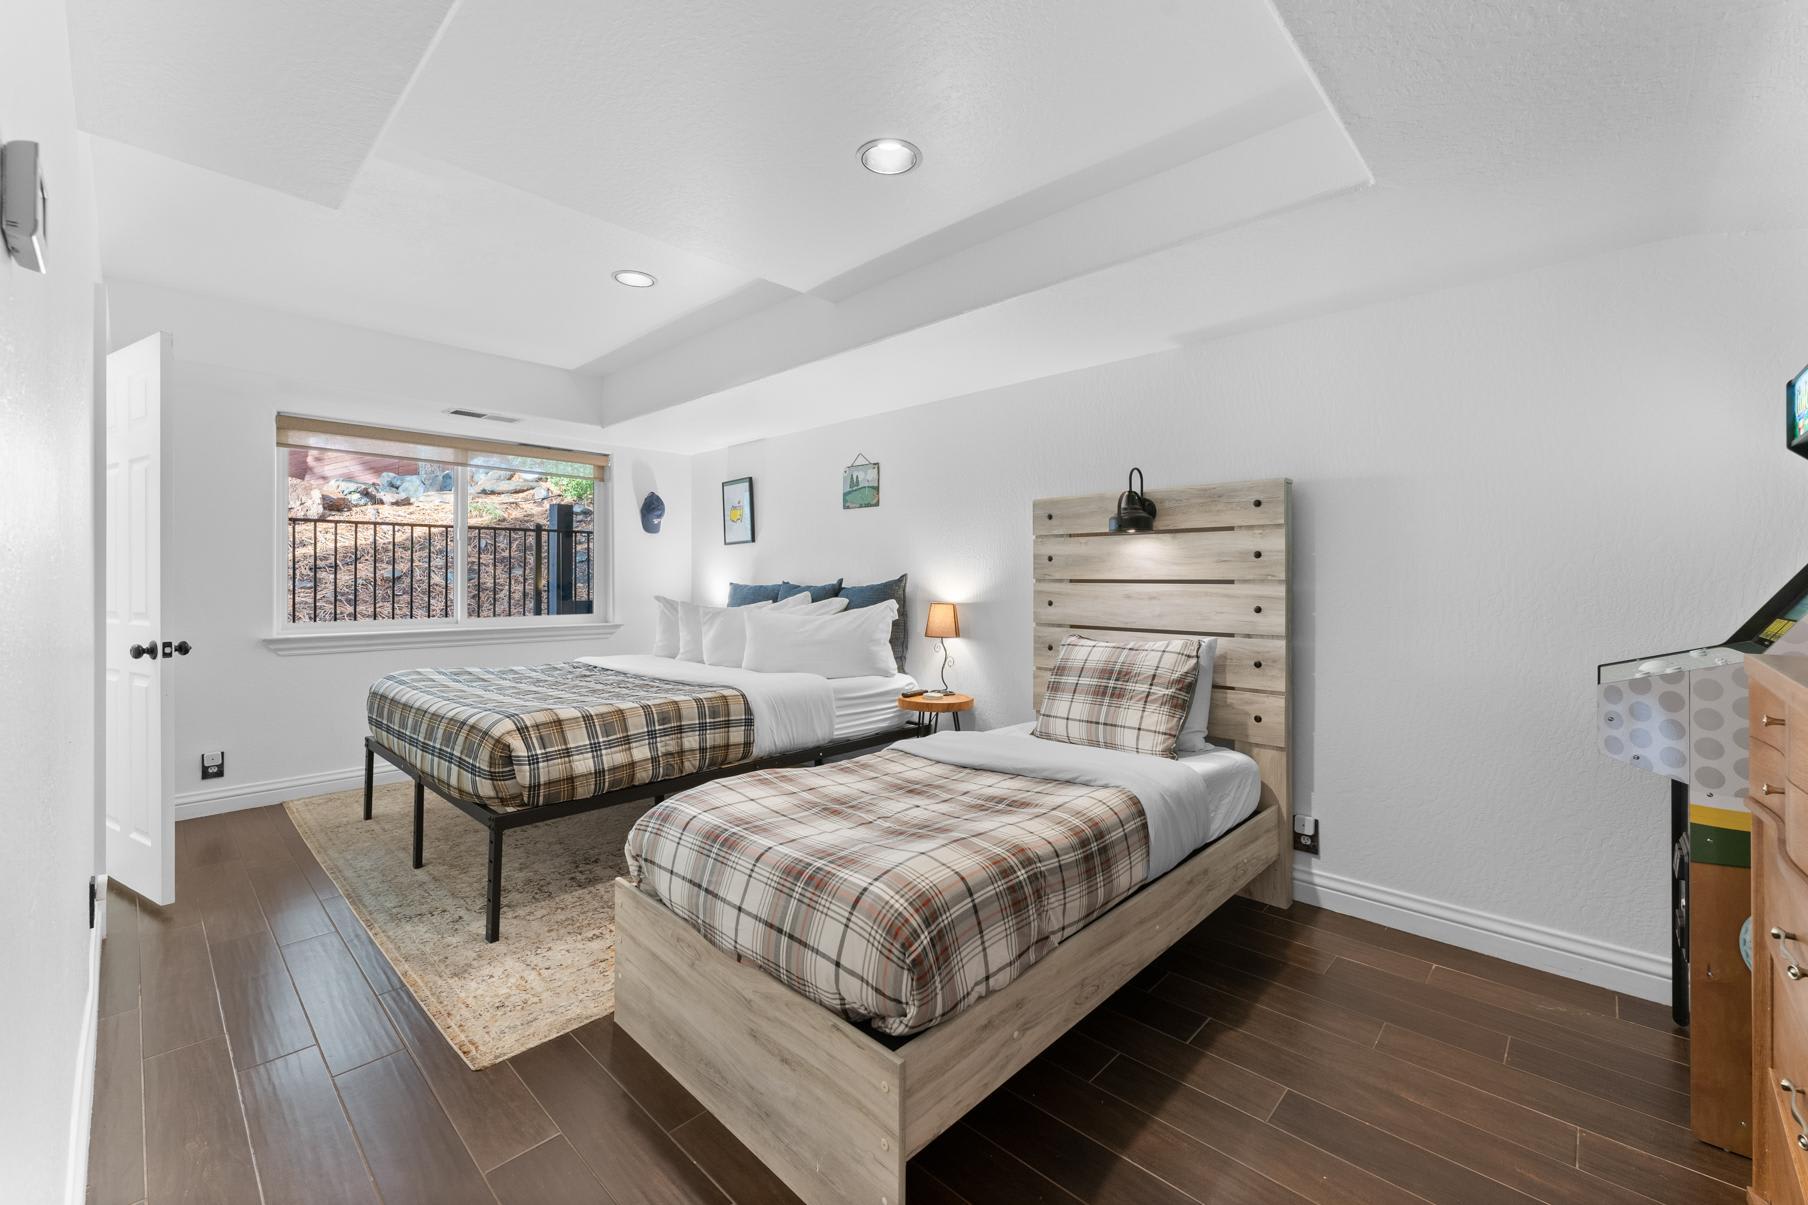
<point x="665" y="626"/>
<point x="854" y="645"/>
<point x="800" y="604"/>
<point x="1192" y="729"/>
<point x="690" y="630"/>
<point x="725" y="632"/>
<point x="725" y="628"/>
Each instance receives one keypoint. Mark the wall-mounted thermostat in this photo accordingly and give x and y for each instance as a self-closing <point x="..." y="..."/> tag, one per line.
<point x="23" y="206"/>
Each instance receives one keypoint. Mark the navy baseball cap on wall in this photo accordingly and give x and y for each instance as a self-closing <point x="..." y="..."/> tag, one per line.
<point x="652" y="511"/>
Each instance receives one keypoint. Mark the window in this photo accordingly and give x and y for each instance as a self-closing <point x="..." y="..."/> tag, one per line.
<point x="382" y="526"/>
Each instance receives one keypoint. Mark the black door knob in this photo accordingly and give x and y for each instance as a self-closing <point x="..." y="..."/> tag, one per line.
<point x="184" y="648"/>
<point x="144" y="650"/>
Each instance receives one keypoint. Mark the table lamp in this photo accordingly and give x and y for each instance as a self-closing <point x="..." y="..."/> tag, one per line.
<point x="944" y="622"/>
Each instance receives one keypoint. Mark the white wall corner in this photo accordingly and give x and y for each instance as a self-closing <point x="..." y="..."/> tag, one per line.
<point x="81" y="1119"/>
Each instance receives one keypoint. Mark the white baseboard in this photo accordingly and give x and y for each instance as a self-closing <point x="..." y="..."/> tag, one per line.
<point x="211" y="801"/>
<point x="1618" y="968"/>
<point x="81" y="1119"/>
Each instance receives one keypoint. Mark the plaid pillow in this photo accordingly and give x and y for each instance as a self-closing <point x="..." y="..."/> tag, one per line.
<point x="1131" y="696"/>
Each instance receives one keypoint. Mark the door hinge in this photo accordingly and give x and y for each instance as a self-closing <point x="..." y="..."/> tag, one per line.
<point x="93" y="898"/>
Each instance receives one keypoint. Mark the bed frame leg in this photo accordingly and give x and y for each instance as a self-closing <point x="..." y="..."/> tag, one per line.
<point x="370" y="777"/>
<point x="492" y="923"/>
<point x="420" y="807"/>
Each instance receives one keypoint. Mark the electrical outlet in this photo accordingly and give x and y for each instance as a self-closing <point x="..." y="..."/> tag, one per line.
<point x="1305" y="834"/>
<point x="213" y="765"/>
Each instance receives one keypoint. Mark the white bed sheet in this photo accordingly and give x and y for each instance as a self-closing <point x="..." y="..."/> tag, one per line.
<point x="1189" y="801"/>
<point x="790" y="711"/>
<point x="864" y="706"/>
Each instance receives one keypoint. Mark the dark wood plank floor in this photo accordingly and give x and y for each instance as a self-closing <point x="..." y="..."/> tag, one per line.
<point x="255" y="1045"/>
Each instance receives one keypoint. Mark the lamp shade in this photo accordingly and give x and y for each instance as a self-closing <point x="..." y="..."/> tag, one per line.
<point x="944" y="621"/>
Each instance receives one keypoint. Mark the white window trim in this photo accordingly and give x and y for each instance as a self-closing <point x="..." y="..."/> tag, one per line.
<point x="407" y="634"/>
<point x="305" y="639"/>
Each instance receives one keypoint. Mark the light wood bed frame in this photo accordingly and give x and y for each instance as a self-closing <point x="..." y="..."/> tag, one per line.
<point x="834" y="1112"/>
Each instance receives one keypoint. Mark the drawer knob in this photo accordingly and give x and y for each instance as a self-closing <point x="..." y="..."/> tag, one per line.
<point x="1767" y="789"/>
<point x="1770" y="721"/>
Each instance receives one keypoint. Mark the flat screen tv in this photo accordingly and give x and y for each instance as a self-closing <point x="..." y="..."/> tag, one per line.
<point x="1796" y="404"/>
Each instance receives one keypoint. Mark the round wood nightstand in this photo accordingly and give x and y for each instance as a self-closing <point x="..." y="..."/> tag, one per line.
<point x="931" y="710"/>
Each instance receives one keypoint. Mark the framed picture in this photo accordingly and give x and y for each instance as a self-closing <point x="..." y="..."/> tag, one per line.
<point x="737" y="511"/>
<point x="860" y="484"/>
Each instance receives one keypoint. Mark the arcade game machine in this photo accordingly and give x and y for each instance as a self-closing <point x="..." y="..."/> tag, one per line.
<point x="1684" y="715"/>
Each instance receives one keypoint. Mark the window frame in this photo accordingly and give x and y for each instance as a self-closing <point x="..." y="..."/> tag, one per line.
<point x="343" y="635"/>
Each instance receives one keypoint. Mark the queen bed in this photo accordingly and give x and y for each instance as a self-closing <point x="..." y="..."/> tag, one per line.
<point x="523" y="745"/>
<point x="839" y="962"/>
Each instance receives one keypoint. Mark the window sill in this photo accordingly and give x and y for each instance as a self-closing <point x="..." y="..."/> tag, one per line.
<point x="303" y="644"/>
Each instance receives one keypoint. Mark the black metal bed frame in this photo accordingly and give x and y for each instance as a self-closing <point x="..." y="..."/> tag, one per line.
<point x="499" y="823"/>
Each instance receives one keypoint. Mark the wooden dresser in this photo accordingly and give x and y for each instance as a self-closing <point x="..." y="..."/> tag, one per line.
<point x="1779" y="804"/>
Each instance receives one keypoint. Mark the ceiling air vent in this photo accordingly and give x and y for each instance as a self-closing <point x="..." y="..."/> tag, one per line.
<point x="494" y="418"/>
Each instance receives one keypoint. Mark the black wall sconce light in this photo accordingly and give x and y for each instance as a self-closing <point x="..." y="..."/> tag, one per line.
<point x="1135" y="510"/>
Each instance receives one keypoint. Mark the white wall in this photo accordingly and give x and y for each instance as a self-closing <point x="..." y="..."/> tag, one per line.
<point x="1497" y="487"/>
<point x="294" y="725"/>
<point x="335" y="356"/>
<point x="47" y="655"/>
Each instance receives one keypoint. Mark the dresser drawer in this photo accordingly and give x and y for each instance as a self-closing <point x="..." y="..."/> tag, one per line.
<point x="1795" y="744"/>
<point x="1795" y="831"/>
<point x="1784" y="909"/>
<point x="1789" y="1015"/>
<point x="1769" y="716"/>
<point x="1781" y="1158"/>
<point x="1789" y="1064"/>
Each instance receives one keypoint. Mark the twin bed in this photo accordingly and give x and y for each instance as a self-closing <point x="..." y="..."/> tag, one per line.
<point x="530" y="744"/>
<point x="839" y="961"/>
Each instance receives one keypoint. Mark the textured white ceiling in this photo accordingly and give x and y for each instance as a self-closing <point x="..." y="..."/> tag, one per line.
<point x="1100" y="181"/>
<point x="476" y="182"/>
<point x="289" y="95"/>
<point x="1500" y="137"/>
<point x="417" y="248"/>
<point x="731" y="129"/>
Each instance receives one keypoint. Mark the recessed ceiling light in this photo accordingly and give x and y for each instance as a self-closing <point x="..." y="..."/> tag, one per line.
<point x="635" y="279"/>
<point x="889" y="156"/>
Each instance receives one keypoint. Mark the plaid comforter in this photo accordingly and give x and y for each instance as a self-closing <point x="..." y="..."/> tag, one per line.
<point x="890" y="888"/>
<point x="530" y="735"/>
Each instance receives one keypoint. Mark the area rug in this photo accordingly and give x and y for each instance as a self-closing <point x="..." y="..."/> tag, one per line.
<point x="554" y="968"/>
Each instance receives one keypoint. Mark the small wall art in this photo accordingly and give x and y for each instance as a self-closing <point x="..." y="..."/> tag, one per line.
<point x="737" y="511"/>
<point x="860" y="484"/>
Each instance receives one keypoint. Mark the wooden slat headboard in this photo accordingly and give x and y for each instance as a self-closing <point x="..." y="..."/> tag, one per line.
<point x="1217" y="564"/>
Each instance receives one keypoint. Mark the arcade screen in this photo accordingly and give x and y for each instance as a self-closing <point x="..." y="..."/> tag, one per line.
<point x="1781" y="624"/>
<point x="1797" y="397"/>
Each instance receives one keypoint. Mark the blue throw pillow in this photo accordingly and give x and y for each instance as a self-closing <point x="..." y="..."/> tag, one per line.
<point x="878" y="592"/>
<point x="741" y="596"/>
<point x="816" y="593"/>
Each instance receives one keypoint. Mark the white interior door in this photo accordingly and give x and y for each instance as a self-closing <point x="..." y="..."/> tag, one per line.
<point x="141" y="818"/>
